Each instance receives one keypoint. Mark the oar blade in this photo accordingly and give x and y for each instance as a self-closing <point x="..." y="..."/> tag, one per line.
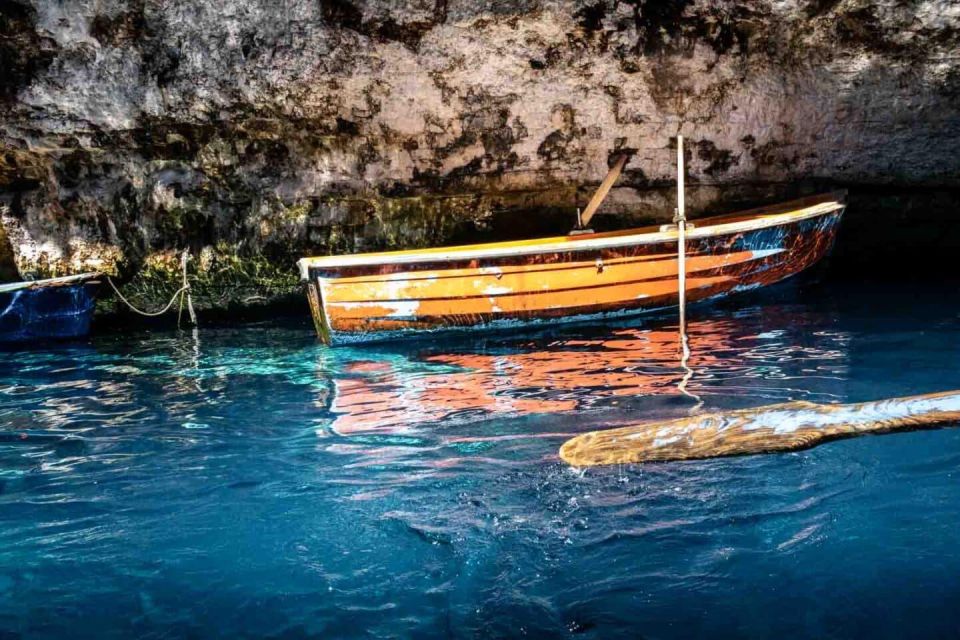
<point x="783" y="427"/>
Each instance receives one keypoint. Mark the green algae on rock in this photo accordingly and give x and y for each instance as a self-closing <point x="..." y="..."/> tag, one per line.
<point x="142" y="128"/>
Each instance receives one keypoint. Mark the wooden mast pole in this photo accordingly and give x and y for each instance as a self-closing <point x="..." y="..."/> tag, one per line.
<point x="681" y="219"/>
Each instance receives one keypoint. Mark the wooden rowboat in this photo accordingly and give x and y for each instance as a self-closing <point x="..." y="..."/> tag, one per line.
<point x="47" y="309"/>
<point x="388" y="295"/>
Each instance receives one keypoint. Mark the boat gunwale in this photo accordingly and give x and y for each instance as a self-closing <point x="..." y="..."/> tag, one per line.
<point x="741" y="221"/>
<point x="61" y="281"/>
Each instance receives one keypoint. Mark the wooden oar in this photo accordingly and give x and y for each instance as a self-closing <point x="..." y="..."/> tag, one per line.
<point x="603" y="190"/>
<point x="780" y="427"/>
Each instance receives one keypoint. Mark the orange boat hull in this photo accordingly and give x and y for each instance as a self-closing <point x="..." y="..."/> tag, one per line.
<point x="391" y="295"/>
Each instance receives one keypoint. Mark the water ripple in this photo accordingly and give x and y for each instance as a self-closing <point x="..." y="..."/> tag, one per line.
<point x="255" y="483"/>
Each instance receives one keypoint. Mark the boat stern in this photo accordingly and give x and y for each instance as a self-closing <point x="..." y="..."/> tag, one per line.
<point x="57" y="308"/>
<point x="314" y="298"/>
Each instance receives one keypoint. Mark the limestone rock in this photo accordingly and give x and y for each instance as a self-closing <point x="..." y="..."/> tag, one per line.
<point x="267" y="130"/>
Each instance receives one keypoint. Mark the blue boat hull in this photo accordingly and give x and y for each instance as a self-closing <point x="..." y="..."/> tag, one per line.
<point x="49" y="312"/>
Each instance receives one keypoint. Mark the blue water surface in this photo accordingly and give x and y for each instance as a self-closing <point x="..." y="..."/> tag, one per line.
<point x="249" y="482"/>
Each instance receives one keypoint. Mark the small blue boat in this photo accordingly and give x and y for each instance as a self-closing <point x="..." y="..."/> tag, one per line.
<point x="55" y="308"/>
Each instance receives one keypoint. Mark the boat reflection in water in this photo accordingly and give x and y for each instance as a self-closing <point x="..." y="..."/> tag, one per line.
<point x="407" y="392"/>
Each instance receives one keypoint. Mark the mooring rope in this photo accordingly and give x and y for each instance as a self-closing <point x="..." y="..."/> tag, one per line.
<point x="186" y="287"/>
<point x="182" y="292"/>
<point x="149" y="314"/>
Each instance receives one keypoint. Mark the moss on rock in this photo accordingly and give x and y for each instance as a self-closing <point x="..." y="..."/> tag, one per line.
<point x="219" y="280"/>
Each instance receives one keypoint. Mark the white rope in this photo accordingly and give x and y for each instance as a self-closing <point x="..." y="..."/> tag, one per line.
<point x="149" y="314"/>
<point x="182" y="292"/>
<point x="186" y="287"/>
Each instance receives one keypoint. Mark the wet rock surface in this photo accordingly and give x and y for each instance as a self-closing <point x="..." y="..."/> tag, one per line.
<point x="251" y="132"/>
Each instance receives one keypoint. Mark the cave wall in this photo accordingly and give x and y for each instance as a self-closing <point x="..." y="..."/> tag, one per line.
<point x="254" y="131"/>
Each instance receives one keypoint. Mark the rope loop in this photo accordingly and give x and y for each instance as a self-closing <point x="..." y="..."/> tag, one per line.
<point x="149" y="314"/>
<point x="181" y="293"/>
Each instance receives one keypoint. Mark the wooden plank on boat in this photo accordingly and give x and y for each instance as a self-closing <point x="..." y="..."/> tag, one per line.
<point x="782" y="427"/>
<point x="740" y="222"/>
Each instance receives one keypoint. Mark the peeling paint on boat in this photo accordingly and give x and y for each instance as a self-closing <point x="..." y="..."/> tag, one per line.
<point x="405" y="309"/>
<point x="493" y="291"/>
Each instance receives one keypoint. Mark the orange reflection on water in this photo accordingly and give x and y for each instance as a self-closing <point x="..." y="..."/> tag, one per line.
<point x="372" y="404"/>
<point x="396" y="397"/>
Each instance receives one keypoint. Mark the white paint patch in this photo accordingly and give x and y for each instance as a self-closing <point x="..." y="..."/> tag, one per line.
<point x="404" y="276"/>
<point x="396" y="289"/>
<point x="399" y="308"/>
<point x="494" y="290"/>
<point x="764" y="253"/>
<point x="404" y="308"/>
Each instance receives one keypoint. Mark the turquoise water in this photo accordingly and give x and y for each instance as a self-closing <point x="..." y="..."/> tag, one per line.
<point x="248" y="482"/>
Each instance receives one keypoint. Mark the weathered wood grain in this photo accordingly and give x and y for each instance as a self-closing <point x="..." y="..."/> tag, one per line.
<point x="780" y="427"/>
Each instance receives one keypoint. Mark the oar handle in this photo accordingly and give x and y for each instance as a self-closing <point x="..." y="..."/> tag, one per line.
<point x="603" y="190"/>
